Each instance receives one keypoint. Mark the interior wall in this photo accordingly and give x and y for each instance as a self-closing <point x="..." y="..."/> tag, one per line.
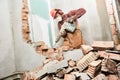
<point x="15" y="54"/>
<point x="94" y="24"/>
<point x="26" y="56"/>
<point x="104" y="20"/>
<point x="7" y="58"/>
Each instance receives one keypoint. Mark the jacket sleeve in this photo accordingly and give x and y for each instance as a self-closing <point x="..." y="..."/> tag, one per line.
<point x="78" y="13"/>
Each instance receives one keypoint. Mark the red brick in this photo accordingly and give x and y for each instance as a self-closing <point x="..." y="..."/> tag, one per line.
<point x="103" y="45"/>
<point x="113" y="77"/>
<point x="86" y="49"/>
<point x="84" y="61"/>
<point x="100" y="77"/>
<point x="69" y="77"/>
<point x="71" y="63"/>
<point x="93" y="67"/>
<point x="111" y="55"/>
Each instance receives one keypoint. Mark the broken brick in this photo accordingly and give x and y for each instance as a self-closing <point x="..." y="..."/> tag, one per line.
<point x="86" y="49"/>
<point x="69" y="77"/>
<point x="104" y="65"/>
<point x="71" y="63"/>
<point x="103" y="45"/>
<point x="85" y="60"/>
<point x="81" y="76"/>
<point x="100" y="77"/>
<point x="50" y="77"/>
<point x="93" y="67"/>
<point x="60" y="73"/>
<point x="113" y="77"/>
<point x="118" y="69"/>
<point x="113" y="56"/>
<point x="111" y="65"/>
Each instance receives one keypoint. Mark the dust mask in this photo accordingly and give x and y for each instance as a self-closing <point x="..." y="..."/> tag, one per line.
<point x="59" y="18"/>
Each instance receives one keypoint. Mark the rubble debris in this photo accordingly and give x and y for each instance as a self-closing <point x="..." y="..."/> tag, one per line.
<point x="118" y="69"/>
<point x="69" y="70"/>
<point x="86" y="49"/>
<point x="71" y="63"/>
<point x="103" y="45"/>
<point x="113" y="77"/>
<point x="109" y="65"/>
<point x="50" y="77"/>
<point x="113" y="56"/>
<point x="81" y="76"/>
<point x="104" y="67"/>
<point x="25" y="25"/>
<point x="100" y="77"/>
<point x="93" y="67"/>
<point x="112" y="51"/>
<point x="69" y="77"/>
<point x="60" y="73"/>
<point x="84" y="62"/>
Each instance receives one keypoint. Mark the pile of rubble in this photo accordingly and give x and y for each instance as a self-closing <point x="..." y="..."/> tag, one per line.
<point x="101" y="61"/>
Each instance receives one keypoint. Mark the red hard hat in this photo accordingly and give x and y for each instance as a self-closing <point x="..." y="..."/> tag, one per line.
<point x="53" y="13"/>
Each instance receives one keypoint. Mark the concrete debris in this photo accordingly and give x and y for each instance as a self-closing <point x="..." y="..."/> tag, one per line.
<point x="93" y="65"/>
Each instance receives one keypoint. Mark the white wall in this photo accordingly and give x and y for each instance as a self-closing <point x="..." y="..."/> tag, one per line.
<point x="7" y="58"/>
<point x="26" y="57"/>
<point x="94" y="24"/>
<point x="15" y="54"/>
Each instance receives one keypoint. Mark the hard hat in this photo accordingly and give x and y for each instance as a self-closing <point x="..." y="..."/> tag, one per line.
<point x="53" y="13"/>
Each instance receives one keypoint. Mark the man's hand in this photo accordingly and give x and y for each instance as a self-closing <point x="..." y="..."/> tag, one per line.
<point x="71" y="19"/>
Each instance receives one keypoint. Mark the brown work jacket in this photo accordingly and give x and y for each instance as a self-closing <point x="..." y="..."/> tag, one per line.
<point x="73" y="39"/>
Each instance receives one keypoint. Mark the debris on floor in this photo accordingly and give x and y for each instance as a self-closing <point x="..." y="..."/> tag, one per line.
<point x="101" y="61"/>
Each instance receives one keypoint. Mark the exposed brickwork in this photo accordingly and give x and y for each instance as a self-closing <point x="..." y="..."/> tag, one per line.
<point x="93" y="67"/>
<point x="25" y="25"/>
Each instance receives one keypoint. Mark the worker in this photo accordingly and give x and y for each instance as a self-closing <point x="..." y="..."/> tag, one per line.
<point x="72" y="38"/>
